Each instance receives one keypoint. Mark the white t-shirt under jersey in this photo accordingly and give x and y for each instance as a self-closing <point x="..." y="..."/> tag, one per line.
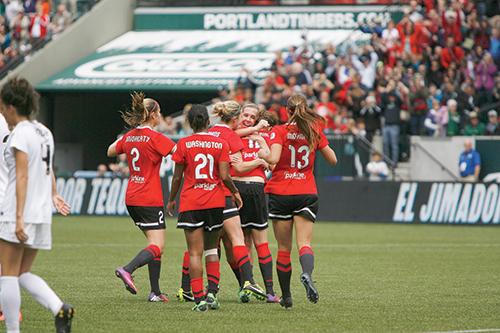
<point x="37" y="141"/>
<point x="4" y="171"/>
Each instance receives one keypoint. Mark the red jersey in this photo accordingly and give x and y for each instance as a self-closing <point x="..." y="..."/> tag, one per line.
<point x="145" y="149"/>
<point x="234" y="141"/>
<point x="293" y="174"/>
<point x="249" y="153"/>
<point x="200" y="154"/>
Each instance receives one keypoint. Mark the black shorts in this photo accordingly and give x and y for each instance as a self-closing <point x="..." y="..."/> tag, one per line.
<point x="230" y="210"/>
<point x="285" y="207"/>
<point x="210" y="219"/>
<point x="147" y="218"/>
<point x="253" y="214"/>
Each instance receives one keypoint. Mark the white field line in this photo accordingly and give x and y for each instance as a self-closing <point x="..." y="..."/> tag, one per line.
<point x="470" y="331"/>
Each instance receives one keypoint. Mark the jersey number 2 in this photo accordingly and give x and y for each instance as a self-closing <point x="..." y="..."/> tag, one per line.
<point x="135" y="152"/>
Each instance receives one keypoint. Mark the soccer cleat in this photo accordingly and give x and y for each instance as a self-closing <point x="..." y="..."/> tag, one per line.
<point x="312" y="293"/>
<point x="286" y="302"/>
<point x="212" y="302"/>
<point x="272" y="299"/>
<point x="255" y="290"/>
<point x="157" y="298"/>
<point x="127" y="279"/>
<point x="64" y="318"/>
<point x="202" y="307"/>
<point x="243" y="296"/>
<point x="185" y="296"/>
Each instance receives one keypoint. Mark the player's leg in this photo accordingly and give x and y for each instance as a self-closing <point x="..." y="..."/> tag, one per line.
<point x="259" y="237"/>
<point x="232" y="226"/>
<point x="156" y="237"/>
<point x="283" y="232"/>
<point x="184" y="294"/>
<point x="145" y="218"/>
<point x="304" y="223"/>
<point x="11" y="255"/>
<point x="194" y="240"/>
<point x="228" y="250"/>
<point x="211" y="235"/>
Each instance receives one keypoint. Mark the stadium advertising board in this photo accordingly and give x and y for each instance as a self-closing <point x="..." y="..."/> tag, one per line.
<point x="410" y="202"/>
<point x="357" y="201"/>
<point x="255" y="18"/>
<point x="184" y="60"/>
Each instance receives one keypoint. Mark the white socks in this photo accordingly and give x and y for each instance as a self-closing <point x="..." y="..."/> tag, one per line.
<point x="40" y="291"/>
<point x="11" y="300"/>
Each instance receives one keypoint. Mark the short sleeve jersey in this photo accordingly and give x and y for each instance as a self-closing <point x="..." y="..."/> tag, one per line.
<point x="145" y="150"/>
<point x="233" y="140"/>
<point x="36" y="140"/>
<point x="293" y="174"/>
<point x="4" y="171"/>
<point x="200" y="154"/>
<point x="468" y="162"/>
<point x="249" y="153"/>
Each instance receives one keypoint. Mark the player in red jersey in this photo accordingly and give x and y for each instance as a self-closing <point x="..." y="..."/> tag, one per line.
<point x="293" y="197"/>
<point x="204" y="161"/>
<point x="233" y="238"/>
<point x="145" y="150"/>
<point x="250" y="183"/>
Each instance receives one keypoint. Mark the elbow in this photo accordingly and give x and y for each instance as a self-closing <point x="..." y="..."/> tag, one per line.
<point x="333" y="161"/>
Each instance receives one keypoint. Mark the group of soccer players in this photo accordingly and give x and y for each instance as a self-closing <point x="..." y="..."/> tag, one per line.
<point x="223" y="195"/>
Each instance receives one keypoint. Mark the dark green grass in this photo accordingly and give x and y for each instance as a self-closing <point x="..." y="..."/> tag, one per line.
<point x="371" y="278"/>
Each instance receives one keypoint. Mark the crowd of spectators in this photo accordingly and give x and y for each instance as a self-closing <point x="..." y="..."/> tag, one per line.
<point x="26" y="26"/>
<point x="435" y="72"/>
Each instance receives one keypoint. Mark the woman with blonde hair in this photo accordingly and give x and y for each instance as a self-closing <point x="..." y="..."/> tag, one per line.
<point x="145" y="150"/>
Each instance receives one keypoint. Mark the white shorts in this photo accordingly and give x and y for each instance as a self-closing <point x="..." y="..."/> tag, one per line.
<point x="39" y="234"/>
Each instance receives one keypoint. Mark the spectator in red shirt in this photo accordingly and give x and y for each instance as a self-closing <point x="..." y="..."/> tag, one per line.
<point x="451" y="53"/>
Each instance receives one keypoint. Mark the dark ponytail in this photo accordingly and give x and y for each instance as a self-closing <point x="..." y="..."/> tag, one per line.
<point x="197" y="117"/>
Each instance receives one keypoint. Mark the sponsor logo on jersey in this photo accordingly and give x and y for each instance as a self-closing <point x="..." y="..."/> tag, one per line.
<point x="137" y="179"/>
<point x="205" y="186"/>
<point x="294" y="175"/>
<point x="252" y="156"/>
<point x="216" y="134"/>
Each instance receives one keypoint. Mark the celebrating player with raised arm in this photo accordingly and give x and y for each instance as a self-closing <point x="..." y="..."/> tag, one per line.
<point x="293" y="197"/>
<point x="145" y="150"/>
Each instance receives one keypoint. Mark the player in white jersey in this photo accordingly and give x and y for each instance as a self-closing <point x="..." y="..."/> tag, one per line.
<point x="26" y="215"/>
<point x="4" y="175"/>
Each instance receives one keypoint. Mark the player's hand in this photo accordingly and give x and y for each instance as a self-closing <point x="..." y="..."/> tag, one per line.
<point x="262" y="124"/>
<point x="62" y="206"/>
<point x="234" y="159"/>
<point x="264" y="164"/>
<point x="170" y="205"/>
<point x="236" y="198"/>
<point x="20" y="232"/>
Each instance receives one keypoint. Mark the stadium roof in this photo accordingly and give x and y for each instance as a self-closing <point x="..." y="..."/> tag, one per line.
<point x="192" y="60"/>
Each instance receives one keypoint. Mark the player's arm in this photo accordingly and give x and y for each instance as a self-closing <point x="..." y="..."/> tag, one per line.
<point x="21" y="159"/>
<point x="61" y="206"/>
<point x="329" y="155"/>
<point x="249" y="130"/>
<point x="272" y="156"/>
<point x="176" y="185"/>
<point x="112" y="149"/>
<point x="228" y="182"/>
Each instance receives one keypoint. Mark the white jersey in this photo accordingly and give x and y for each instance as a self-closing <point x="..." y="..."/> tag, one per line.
<point x="4" y="171"/>
<point x="37" y="142"/>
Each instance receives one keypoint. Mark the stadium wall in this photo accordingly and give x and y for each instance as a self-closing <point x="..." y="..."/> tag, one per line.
<point x="358" y="201"/>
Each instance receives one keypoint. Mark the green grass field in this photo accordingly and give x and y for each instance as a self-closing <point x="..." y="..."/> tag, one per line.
<point x="370" y="277"/>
